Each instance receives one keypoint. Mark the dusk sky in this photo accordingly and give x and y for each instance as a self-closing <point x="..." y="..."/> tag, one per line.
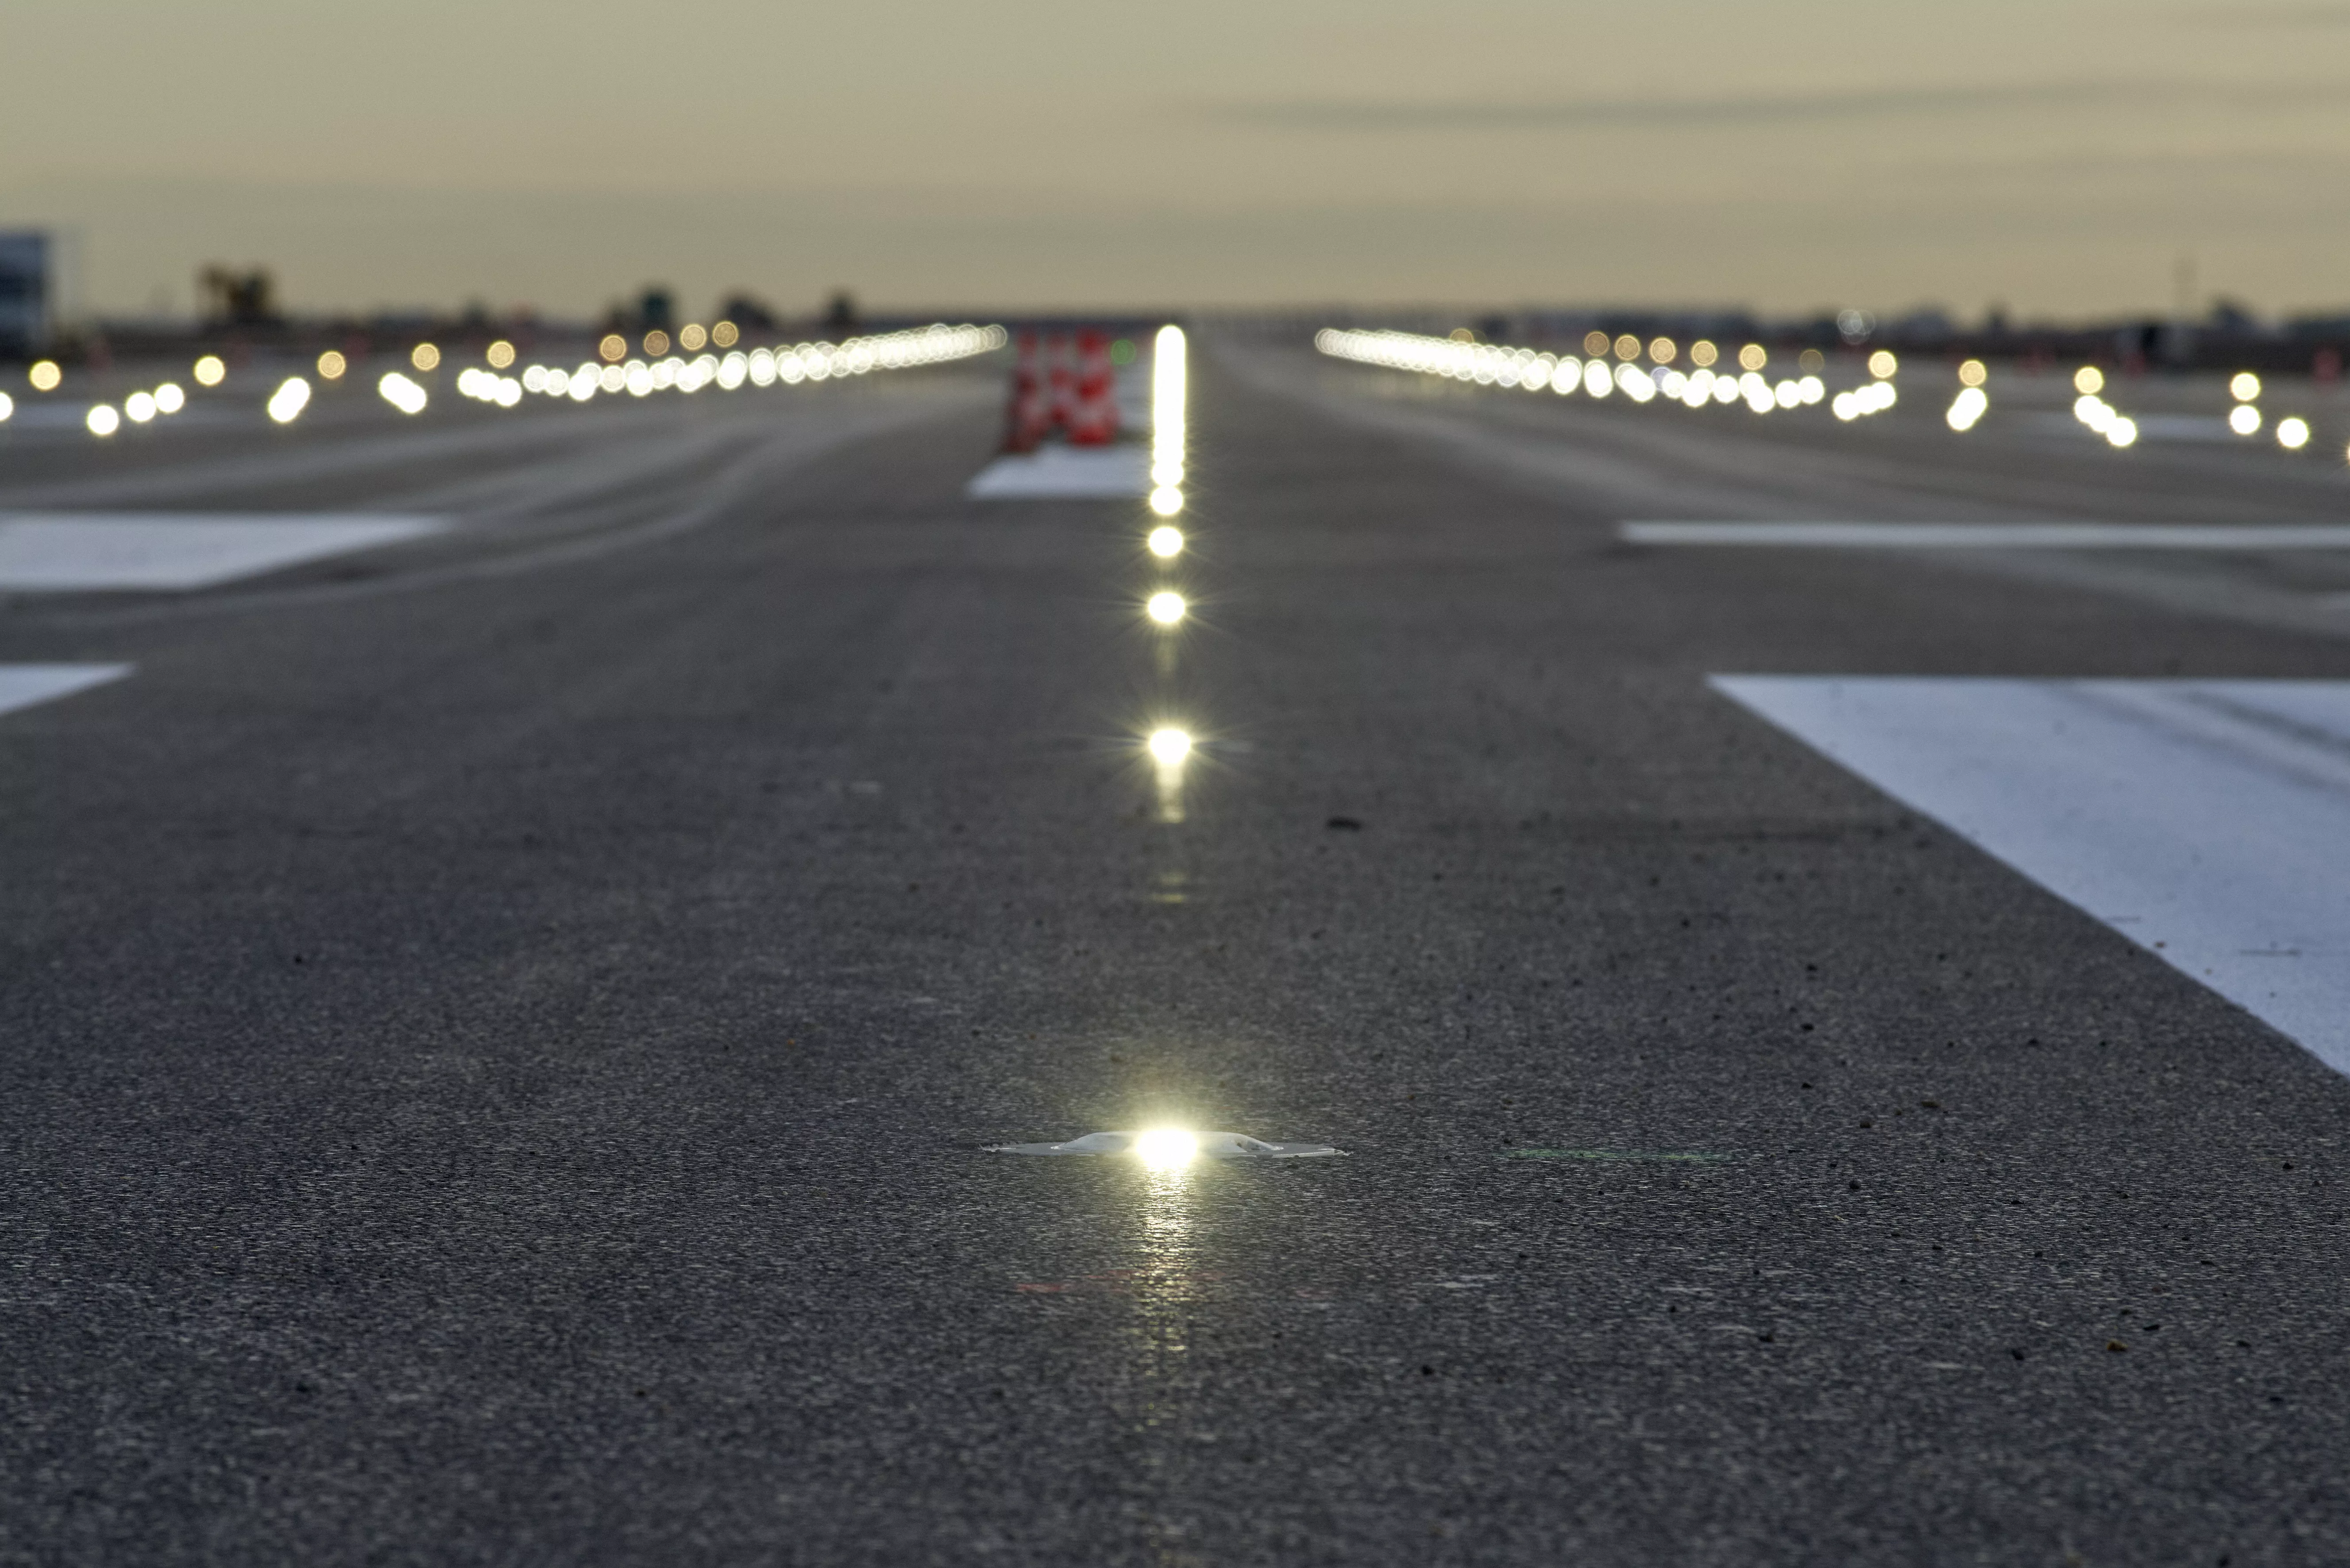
<point x="2052" y="155"/>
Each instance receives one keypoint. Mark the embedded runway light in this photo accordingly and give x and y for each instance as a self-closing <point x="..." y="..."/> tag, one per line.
<point x="2292" y="434"/>
<point x="1704" y="353"/>
<point x="331" y="366"/>
<point x="7" y="407"/>
<point x="2244" y="418"/>
<point x="103" y="419"/>
<point x="424" y="356"/>
<point x="2122" y="431"/>
<point x="1166" y="542"/>
<point x="169" y="398"/>
<point x="1973" y="373"/>
<point x="45" y="375"/>
<point x="613" y="349"/>
<point x="139" y="406"/>
<point x="2089" y="379"/>
<point x="2244" y="386"/>
<point x="1883" y="365"/>
<point x="1965" y="409"/>
<point x="690" y="336"/>
<point x="209" y="371"/>
<point x="1166" y="606"/>
<point x="289" y="399"/>
<point x="1162" y="1148"/>
<point x="1167" y="501"/>
<point x="1169" y="746"/>
<point x="1754" y="357"/>
<point x="402" y="393"/>
<point x="725" y="334"/>
<point x="500" y="354"/>
<point x="1204" y="1146"/>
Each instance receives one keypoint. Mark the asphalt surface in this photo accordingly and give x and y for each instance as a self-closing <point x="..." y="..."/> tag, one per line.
<point x="498" y="1034"/>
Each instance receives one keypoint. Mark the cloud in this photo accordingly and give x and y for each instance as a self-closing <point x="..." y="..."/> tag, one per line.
<point x="1398" y="115"/>
<point x="2315" y="15"/>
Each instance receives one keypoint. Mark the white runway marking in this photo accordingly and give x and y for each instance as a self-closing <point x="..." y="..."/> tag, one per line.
<point x="2208" y="821"/>
<point x="69" y="552"/>
<point x="1997" y="536"/>
<point x="1061" y="472"/>
<point x="22" y="685"/>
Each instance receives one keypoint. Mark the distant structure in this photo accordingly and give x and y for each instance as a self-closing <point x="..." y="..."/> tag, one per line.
<point x="656" y="310"/>
<point x="840" y="315"/>
<point x="748" y="310"/>
<point x="235" y="298"/>
<point x="25" y="292"/>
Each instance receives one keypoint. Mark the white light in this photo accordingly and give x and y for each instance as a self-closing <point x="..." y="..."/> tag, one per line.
<point x="402" y="393"/>
<point x="1167" y="501"/>
<point x="1788" y="394"/>
<point x="2244" y="386"/>
<point x="2244" y="418"/>
<point x="1168" y="747"/>
<point x="169" y="398"/>
<point x="7" y="406"/>
<point x="1567" y="377"/>
<point x="1965" y="409"/>
<point x="535" y="379"/>
<point x="139" y="407"/>
<point x="1164" y="1148"/>
<point x="1596" y="379"/>
<point x="2122" y="431"/>
<point x="610" y="378"/>
<point x="103" y="419"/>
<point x="1813" y="389"/>
<point x="1165" y="542"/>
<point x="1166" y="606"/>
<point x="2292" y="434"/>
<point x="286" y="403"/>
<point x="508" y="392"/>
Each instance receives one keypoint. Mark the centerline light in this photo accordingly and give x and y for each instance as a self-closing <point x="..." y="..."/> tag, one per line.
<point x="1166" y="606"/>
<point x="1166" y="542"/>
<point x="1169" y="746"/>
<point x="1164" y="1148"/>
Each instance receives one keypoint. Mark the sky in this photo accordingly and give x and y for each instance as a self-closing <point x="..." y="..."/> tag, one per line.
<point x="2050" y="156"/>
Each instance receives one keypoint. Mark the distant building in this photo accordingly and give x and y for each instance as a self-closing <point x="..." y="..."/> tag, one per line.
<point x="25" y="293"/>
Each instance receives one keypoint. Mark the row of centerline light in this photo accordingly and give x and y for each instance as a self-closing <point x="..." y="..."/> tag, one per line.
<point x="1538" y="370"/>
<point x="761" y="367"/>
<point x="1169" y="741"/>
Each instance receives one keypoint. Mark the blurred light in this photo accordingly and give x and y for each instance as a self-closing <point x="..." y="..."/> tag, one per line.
<point x="1704" y="353"/>
<point x="734" y="370"/>
<point x="1566" y="376"/>
<point x="2088" y="379"/>
<point x="402" y="393"/>
<point x="209" y="371"/>
<point x="1973" y="373"/>
<point x="725" y="334"/>
<point x="1726" y="390"/>
<point x="1167" y="471"/>
<point x="689" y="337"/>
<point x="169" y="398"/>
<point x="2292" y="434"/>
<point x="1627" y="347"/>
<point x="45" y="375"/>
<point x="1882" y="364"/>
<point x="535" y="379"/>
<point x="1967" y="408"/>
<point x="2122" y="431"/>
<point x="611" y="379"/>
<point x="1164" y="1148"/>
<point x="613" y="349"/>
<point x="1675" y="384"/>
<point x="508" y="392"/>
<point x="2245" y="386"/>
<point x="1843" y="407"/>
<point x="1167" y="501"/>
<point x="1754" y="357"/>
<point x="1810" y="359"/>
<point x="1168" y="745"/>
<point x="500" y="353"/>
<point x="2243" y="418"/>
<point x="7" y="407"/>
<point x="139" y="406"/>
<point x="1594" y="343"/>
<point x="1788" y="394"/>
<point x="1166" y="542"/>
<point x="425" y="356"/>
<point x="331" y="366"/>
<point x="1166" y="606"/>
<point x="286" y="403"/>
<point x="1662" y="349"/>
<point x="656" y="342"/>
<point x="103" y="419"/>
<point x="1813" y="389"/>
<point x="1596" y="379"/>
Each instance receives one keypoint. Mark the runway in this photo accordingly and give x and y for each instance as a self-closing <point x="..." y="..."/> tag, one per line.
<point x="505" y="1020"/>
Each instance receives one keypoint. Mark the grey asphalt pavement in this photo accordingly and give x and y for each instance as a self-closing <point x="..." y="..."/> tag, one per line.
<point x="498" y="1035"/>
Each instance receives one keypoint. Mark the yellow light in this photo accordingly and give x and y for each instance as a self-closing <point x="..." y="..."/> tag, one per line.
<point x="424" y="356"/>
<point x="1164" y="1148"/>
<point x="725" y="334"/>
<point x="1166" y="542"/>
<point x="1973" y="373"/>
<point x="1594" y="343"/>
<point x="657" y="341"/>
<point x="1754" y="357"/>
<point x="1662" y="349"/>
<point x="1702" y="353"/>
<point x="613" y="349"/>
<point x="1812" y="360"/>
<point x="500" y="354"/>
<point x="331" y="366"/>
<point x="2089" y="379"/>
<point x="209" y="371"/>
<point x="1627" y="347"/>
<point x="1169" y="746"/>
<point x="690" y="336"/>
<point x="1166" y="606"/>
<point x="103" y="419"/>
<point x="1167" y="501"/>
<point x="1882" y="364"/>
<point x="2292" y="434"/>
<point x="2245" y="386"/>
<point x="45" y="375"/>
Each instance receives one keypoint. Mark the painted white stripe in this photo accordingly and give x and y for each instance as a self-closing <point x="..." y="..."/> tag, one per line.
<point x="2208" y="821"/>
<point x="68" y="552"/>
<point x="22" y="685"/>
<point x="1999" y="535"/>
<point x="1069" y="473"/>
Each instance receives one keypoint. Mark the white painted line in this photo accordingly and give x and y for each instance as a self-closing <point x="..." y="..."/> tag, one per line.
<point x="1997" y="536"/>
<point x="2208" y="821"/>
<point x="69" y="552"/>
<point x="22" y="685"/>
<point x="1066" y="474"/>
